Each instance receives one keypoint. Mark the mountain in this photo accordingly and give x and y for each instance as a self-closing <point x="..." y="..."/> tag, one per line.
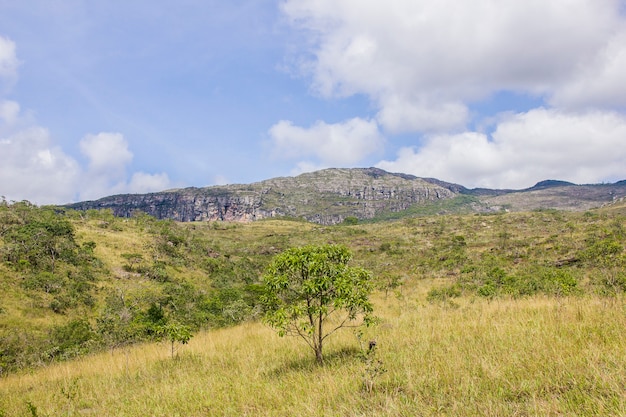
<point x="330" y="196"/>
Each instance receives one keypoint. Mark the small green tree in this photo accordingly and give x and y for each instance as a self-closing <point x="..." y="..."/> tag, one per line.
<point x="134" y="260"/>
<point x="311" y="292"/>
<point x="175" y="333"/>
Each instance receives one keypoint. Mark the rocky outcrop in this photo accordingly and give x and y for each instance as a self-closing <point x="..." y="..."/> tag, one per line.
<point x="329" y="196"/>
<point x="186" y="205"/>
<point x="325" y="197"/>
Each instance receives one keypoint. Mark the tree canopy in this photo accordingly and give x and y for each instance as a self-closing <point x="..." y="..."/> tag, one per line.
<point x="311" y="292"/>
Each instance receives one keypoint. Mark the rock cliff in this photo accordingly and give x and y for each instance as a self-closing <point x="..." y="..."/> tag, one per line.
<point x="325" y="197"/>
<point x="329" y="196"/>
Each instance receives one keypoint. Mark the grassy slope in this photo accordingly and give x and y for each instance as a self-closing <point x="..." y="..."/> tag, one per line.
<point x="474" y="356"/>
<point x="530" y="357"/>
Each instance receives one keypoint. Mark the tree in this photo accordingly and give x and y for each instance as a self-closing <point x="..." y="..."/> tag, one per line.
<point x="175" y="333"/>
<point x="311" y="292"/>
<point x="38" y="238"/>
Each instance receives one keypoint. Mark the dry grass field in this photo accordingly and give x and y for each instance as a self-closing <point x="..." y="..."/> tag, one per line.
<point x="460" y="331"/>
<point x="533" y="357"/>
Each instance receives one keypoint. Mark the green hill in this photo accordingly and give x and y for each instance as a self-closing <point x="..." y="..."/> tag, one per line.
<point x="509" y="313"/>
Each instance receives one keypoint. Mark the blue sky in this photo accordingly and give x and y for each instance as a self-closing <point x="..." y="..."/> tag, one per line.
<point x="100" y="98"/>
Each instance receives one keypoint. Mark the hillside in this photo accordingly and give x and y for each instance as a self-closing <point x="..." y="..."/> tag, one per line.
<point x="481" y="314"/>
<point x="332" y="195"/>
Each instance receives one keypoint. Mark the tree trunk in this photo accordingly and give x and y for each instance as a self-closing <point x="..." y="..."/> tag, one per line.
<point x="320" y="340"/>
<point x="318" y="355"/>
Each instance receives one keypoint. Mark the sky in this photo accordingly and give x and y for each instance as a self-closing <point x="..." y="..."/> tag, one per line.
<point x="107" y="97"/>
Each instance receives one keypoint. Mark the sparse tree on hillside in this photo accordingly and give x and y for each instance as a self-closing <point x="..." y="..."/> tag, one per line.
<point x="174" y="333"/>
<point x="311" y="292"/>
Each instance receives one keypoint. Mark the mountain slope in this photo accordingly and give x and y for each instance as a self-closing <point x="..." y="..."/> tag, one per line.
<point x="330" y="196"/>
<point x="326" y="197"/>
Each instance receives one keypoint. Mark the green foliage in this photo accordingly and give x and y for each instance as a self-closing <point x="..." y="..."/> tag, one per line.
<point x="32" y="408"/>
<point x="458" y="205"/>
<point x="133" y="261"/>
<point x="156" y="272"/>
<point x="311" y="292"/>
<point x="63" y="266"/>
<point x="490" y="278"/>
<point x="175" y="333"/>
<point x="18" y="349"/>
<point x="40" y="245"/>
<point x="38" y="238"/>
<point x="444" y="294"/>
<point x="120" y="322"/>
<point x="351" y="221"/>
<point x="389" y="282"/>
<point x="608" y="258"/>
<point x="71" y="339"/>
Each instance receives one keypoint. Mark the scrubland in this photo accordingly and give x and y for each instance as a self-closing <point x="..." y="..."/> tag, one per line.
<point x="511" y="314"/>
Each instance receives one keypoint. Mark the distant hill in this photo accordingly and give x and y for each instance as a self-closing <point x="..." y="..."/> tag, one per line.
<point x="542" y="185"/>
<point x="330" y="196"/>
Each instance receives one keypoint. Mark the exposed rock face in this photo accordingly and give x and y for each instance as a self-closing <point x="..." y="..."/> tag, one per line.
<point x="325" y="197"/>
<point x="329" y="196"/>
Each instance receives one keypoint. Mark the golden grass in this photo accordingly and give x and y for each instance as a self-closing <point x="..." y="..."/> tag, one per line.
<point x="537" y="356"/>
<point x="470" y="357"/>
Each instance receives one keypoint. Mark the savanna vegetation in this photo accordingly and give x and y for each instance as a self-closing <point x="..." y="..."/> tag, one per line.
<point x="503" y="314"/>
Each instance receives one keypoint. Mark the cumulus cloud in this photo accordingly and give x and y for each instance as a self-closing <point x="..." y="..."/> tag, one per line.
<point x="338" y="144"/>
<point x="106" y="152"/>
<point x="447" y="52"/>
<point x="424" y="64"/>
<point x="600" y="83"/>
<point x="142" y="182"/>
<point x="33" y="168"/>
<point x="524" y="149"/>
<point x="106" y="173"/>
<point x="399" y="114"/>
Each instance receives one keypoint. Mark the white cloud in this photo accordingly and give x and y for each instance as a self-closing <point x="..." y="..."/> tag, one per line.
<point x="142" y="182"/>
<point x="306" y="166"/>
<point x="32" y="168"/>
<point x="399" y="115"/>
<point x="524" y="149"/>
<point x="338" y="144"/>
<point x="107" y="152"/>
<point x="419" y="61"/>
<point x="601" y="82"/>
<point x="8" y="59"/>
<point x="106" y="171"/>
<point x="9" y="112"/>
<point x="424" y="63"/>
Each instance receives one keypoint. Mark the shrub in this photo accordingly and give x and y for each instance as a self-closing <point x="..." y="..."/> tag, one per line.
<point x="444" y="293"/>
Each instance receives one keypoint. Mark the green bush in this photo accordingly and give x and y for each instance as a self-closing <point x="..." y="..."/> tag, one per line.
<point x="444" y="293"/>
<point x="71" y="339"/>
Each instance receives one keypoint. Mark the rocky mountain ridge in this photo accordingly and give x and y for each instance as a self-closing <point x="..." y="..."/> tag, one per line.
<point x="330" y="196"/>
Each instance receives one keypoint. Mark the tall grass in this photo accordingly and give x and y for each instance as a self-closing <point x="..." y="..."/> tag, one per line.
<point x="466" y="356"/>
<point x="534" y="356"/>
